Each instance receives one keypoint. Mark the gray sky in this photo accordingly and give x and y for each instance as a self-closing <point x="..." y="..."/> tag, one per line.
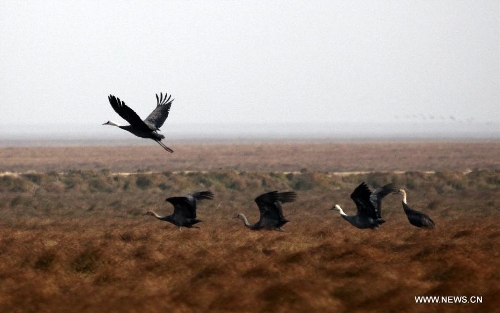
<point x="270" y="62"/>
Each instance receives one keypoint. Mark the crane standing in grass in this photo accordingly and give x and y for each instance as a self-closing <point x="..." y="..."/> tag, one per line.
<point x="369" y="205"/>
<point x="415" y="217"/>
<point x="184" y="209"/>
<point x="150" y="126"/>
<point x="271" y="210"/>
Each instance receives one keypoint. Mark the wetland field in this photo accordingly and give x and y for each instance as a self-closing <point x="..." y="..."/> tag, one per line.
<point x="73" y="237"/>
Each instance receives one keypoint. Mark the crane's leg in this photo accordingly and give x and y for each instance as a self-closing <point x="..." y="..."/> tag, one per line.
<point x="180" y="228"/>
<point x="164" y="147"/>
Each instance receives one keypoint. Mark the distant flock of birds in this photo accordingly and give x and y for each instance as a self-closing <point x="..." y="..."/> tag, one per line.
<point x="368" y="203"/>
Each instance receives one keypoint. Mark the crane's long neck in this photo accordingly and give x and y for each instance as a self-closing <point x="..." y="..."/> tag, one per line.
<point x="245" y="220"/>
<point x="403" y="194"/>
<point x="153" y="213"/>
<point x="339" y="209"/>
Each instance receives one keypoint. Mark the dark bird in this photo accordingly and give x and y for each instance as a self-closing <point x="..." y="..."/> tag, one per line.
<point x="369" y="206"/>
<point x="271" y="211"/>
<point x="150" y="126"/>
<point x="415" y="217"/>
<point x="184" y="209"/>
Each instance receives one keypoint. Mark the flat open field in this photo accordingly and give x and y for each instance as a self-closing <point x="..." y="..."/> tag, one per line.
<point x="260" y="157"/>
<point x="73" y="237"/>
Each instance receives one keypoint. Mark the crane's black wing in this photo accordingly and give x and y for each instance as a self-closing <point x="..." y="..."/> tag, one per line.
<point x="183" y="207"/>
<point x="156" y="119"/>
<point x="284" y="197"/>
<point x="266" y="205"/>
<point x="288" y="196"/>
<point x="361" y="197"/>
<point x="270" y="204"/>
<point x="193" y="197"/>
<point x="378" y="194"/>
<point x="203" y="195"/>
<point x="127" y="113"/>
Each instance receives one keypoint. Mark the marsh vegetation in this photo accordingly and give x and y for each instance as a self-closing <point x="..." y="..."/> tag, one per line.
<point x="76" y="240"/>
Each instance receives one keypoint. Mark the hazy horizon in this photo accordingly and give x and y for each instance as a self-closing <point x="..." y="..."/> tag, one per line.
<point x="90" y="134"/>
<point x="258" y="68"/>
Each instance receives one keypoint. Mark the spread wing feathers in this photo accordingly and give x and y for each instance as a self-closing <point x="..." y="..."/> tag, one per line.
<point x="191" y="198"/>
<point x="203" y="195"/>
<point x="127" y="113"/>
<point x="183" y="206"/>
<point x="273" y="196"/>
<point x="156" y="119"/>
<point x="288" y="196"/>
<point x="378" y="194"/>
<point x="267" y="198"/>
<point x="361" y="197"/>
<point x="270" y="203"/>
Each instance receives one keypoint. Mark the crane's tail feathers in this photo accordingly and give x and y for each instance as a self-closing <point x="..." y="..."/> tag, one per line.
<point x="203" y="195"/>
<point x="288" y="196"/>
<point x="428" y="223"/>
<point x="163" y="100"/>
<point x="380" y="221"/>
<point x="164" y="147"/>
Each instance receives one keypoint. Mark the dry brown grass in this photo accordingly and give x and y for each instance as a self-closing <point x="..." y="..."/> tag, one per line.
<point x="77" y="242"/>
<point x="93" y="265"/>
<point x="261" y="157"/>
